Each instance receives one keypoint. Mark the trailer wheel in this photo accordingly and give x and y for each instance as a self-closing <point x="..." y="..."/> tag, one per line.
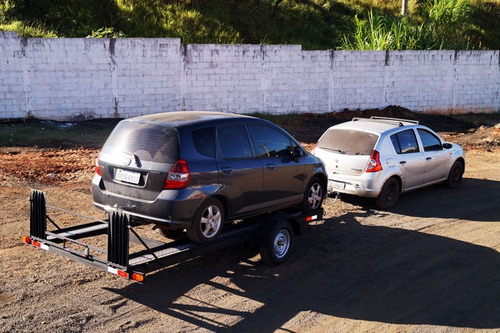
<point x="207" y="222"/>
<point x="276" y="248"/>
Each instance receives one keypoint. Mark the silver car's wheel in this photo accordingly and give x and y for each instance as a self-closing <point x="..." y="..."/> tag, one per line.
<point x="208" y="221"/>
<point x="389" y="194"/>
<point x="455" y="175"/>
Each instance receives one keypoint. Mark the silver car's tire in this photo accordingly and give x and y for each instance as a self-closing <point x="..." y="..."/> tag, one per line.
<point x="207" y="222"/>
<point x="389" y="194"/>
<point x="455" y="175"/>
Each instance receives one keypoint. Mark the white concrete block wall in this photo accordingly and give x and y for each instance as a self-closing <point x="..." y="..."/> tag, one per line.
<point x="95" y="78"/>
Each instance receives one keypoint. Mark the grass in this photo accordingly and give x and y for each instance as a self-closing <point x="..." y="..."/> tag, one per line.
<point x="93" y="133"/>
<point x="36" y="133"/>
<point x="314" y="24"/>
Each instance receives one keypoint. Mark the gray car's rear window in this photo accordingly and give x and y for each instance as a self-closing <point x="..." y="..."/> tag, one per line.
<point x="149" y="142"/>
<point x="348" y="142"/>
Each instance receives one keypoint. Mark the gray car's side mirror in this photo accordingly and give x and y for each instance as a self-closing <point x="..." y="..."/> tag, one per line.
<point x="298" y="154"/>
<point x="447" y="145"/>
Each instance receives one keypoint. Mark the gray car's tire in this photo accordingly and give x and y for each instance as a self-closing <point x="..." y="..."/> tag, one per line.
<point x="277" y="244"/>
<point x="313" y="197"/>
<point x="389" y="194"/>
<point x="207" y="222"/>
<point x="455" y="175"/>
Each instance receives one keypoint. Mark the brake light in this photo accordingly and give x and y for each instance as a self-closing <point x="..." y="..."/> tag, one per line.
<point x="178" y="176"/>
<point x="374" y="162"/>
<point x="97" y="166"/>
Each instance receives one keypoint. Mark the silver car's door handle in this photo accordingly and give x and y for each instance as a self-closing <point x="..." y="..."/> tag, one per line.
<point x="428" y="158"/>
<point x="226" y="170"/>
<point x="402" y="162"/>
<point x="271" y="166"/>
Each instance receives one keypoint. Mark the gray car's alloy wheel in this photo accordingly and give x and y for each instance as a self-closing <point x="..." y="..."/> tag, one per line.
<point x="208" y="221"/>
<point x="313" y="196"/>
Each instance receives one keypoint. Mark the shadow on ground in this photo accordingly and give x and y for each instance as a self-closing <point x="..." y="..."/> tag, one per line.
<point x="344" y="269"/>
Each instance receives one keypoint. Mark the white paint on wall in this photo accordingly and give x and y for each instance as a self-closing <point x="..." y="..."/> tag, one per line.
<point x="77" y="78"/>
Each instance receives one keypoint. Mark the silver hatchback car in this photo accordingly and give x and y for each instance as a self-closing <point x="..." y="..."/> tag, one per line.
<point x="383" y="157"/>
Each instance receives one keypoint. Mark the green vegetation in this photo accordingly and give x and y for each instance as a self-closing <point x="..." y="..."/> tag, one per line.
<point x="314" y="24"/>
<point x="33" y="132"/>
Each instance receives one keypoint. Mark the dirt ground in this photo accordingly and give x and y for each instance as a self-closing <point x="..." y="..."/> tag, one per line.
<point x="430" y="264"/>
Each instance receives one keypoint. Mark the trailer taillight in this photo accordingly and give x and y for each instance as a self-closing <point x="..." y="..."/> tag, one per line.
<point x="138" y="277"/>
<point x="27" y="239"/>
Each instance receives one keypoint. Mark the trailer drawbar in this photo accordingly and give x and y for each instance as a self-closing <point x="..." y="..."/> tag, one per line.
<point x="273" y="233"/>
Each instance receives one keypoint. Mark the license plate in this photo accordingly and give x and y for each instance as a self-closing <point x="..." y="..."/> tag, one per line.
<point x="337" y="185"/>
<point x="128" y="176"/>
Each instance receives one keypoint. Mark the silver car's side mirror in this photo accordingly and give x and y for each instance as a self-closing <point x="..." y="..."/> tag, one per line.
<point x="447" y="145"/>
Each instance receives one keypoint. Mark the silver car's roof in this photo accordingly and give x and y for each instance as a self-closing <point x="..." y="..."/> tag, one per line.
<point x="366" y="124"/>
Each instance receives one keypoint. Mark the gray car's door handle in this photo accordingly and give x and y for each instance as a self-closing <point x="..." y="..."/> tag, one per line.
<point x="271" y="166"/>
<point x="402" y="162"/>
<point x="428" y="158"/>
<point x="226" y="170"/>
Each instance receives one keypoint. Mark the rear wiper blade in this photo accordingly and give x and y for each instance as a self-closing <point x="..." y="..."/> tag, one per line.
<point x="334" y="149"/>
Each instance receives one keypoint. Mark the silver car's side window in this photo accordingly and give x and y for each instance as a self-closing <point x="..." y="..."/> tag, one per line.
<point x="429" y="140"/>
<point x="233" y="142"/>
<point x="405" y="142"/>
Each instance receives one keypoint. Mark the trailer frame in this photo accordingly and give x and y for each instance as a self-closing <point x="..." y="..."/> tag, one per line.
<point x="270" y="232"/>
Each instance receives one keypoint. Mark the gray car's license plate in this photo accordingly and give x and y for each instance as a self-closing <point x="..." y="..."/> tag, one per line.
<point x="127" y="176"/>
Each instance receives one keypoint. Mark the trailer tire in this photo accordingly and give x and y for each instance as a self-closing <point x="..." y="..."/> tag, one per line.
<point x="207" y="222"/>
<point x="277" y="244"/>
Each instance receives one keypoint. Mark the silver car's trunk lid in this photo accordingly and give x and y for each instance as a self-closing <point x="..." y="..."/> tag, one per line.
<point x="337" y="163"/>
<point x="346" y="151"/>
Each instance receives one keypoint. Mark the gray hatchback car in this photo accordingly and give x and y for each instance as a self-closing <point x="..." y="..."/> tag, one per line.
<point x="197" y="170"/>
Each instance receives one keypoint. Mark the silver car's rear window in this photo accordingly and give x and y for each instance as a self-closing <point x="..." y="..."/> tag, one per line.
<point x="348" y="142"/>
<point x="149" y="142"/>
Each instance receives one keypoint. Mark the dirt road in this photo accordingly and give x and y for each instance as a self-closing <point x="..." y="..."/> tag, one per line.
<point x="430" y="264"/>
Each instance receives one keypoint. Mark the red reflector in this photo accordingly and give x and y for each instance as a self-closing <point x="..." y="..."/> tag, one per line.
<point x="138" y="277"/>
<point x="26" y="239"/>
<point x="122" y="273"/>
<point x="36" y="243"/>
<point x="310" y="218"/>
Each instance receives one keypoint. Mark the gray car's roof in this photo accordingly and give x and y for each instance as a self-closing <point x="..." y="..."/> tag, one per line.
<point x="181" y="118"/>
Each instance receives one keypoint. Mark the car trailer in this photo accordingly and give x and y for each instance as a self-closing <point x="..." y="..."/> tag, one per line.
<point x="273" y="233"/>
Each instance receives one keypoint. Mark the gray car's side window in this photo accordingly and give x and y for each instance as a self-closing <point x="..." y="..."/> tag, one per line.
<point x="429" y="141"/>
<point x="233" y="142"/>
<point x="405" y="142"/>
<point x="270" y="143"/>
